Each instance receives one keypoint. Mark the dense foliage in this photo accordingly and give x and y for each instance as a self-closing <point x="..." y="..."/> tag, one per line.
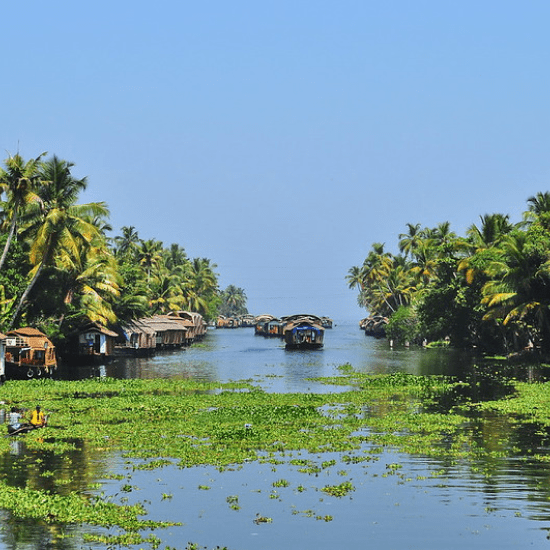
<point x="59" y="266"/>
<point x="233" y="302"/>
<point x="489" y="288"/>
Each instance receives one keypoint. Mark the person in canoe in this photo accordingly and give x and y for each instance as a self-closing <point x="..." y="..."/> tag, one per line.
<point x="38" y="419"/>
<point x="14" y="420"/>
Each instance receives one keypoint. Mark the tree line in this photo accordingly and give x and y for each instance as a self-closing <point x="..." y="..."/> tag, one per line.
<point x="489" y="289"/>
<point x="60" y="266"/>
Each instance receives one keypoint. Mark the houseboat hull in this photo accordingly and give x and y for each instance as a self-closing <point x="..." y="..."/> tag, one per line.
<point x="303" y="345"/>
<point x="304" y="336"/>
<point x="15" y="371"/>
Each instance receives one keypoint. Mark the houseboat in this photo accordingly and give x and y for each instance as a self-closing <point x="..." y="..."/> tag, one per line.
<point x="91" y="344"/>
<point x="29" y="354"/>
<point x="303" y="333"/>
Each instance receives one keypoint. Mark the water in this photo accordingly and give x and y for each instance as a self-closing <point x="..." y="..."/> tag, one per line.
<point x="237" y="354"/>
<point x="426" y="504"/>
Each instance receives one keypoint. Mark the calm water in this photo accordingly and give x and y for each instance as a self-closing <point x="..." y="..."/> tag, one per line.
<point x="237" y="354"/>
<point x="425" y="505"/>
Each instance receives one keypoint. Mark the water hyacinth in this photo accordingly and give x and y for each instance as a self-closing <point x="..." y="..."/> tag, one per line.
<point x="155" y="423"/>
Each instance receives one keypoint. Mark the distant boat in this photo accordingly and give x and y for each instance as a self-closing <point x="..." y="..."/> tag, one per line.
<point x="326" y="322"/>
<point x="303" y="333"/>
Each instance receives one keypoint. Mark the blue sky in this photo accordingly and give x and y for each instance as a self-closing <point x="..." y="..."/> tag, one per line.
<point x="281" y="139"/>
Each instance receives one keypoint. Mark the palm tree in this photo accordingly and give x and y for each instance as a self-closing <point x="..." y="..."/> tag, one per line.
<point x="19" y="181"/>
<point x="201" y="285"/>
<point x="425" y="264"/>
<point x="519" y="287"/>
<point x="165" y="292"/>
<point x="91" y="279"/>
<point x="149" y="254"/>
<point x="60" y="225"/>
<point x="127" y="243"/>
<point x="538" y="209"/>
<point x="175" y="256"/>
<point x="409" y="242"/>
<point x="233" y="301"/>
<point x="539" y="204"/>
<point x="493" y="228"/>
<point x="355" y="278"/>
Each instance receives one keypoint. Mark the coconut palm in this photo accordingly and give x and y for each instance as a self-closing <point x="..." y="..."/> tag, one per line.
<point x="175" y="256"/>
<point x="493" y="227"/>
<point x="91" y="280"/>
<point x="201" y="285"/>
<point x="233" y="301"/>
<point x="149" y="254"/>
<point x="59" y="226"/>
<point x="126" y="243"/>
<point x="165" y="292"/>
<point x="538" y="210"/>
<point x="539" y="204"/>
<point x="518" y="291"/>
<point x="409" y="242"/>
<point x="19" y="181"/>
<point x="425" y="264"/>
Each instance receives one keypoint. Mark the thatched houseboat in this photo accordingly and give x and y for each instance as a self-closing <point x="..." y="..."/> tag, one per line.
<point x="268" y="325"/>
<point x="168" y="332"/>
<point x="139" y="338"/>
<point x="227" y="322"/>
<point x="326" y="322"/>
<point x="195" y="323"/>
<point x="374" y="326"/>
<point x="247" y="320"/>
<point x="29" y="354"/>
<point x="92" y="343"/>
<point x="303" y="333"/>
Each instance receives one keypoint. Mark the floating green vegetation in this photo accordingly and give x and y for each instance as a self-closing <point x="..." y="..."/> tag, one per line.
<point x="233" y="501"/>
<point x="72" y="508"/>
<point x="339" y="490"/>
<point x="281" y="483"/>
<point x="156" y="423"/>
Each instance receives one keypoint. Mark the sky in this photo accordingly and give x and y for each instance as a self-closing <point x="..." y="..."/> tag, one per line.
<point x="281" y="139"/>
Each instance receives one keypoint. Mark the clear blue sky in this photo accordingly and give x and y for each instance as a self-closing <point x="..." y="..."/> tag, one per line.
<point x="282" y="138"/>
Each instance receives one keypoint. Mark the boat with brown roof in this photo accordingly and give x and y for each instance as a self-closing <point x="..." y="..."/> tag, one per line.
<point x="29" y="354"/>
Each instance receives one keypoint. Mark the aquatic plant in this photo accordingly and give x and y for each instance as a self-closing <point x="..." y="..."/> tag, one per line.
<point x="155" y="423"/>
<point x="339" y="490"/>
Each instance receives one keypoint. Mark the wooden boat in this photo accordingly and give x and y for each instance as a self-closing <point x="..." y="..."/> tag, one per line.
<point x="303" y="334"/>
<point x="23" y="429"/>
<point x="29" y="354"/>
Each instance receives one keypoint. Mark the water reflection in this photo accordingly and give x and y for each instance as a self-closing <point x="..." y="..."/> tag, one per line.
<point x="240" y="355"/>
<point x="425" y="503"/>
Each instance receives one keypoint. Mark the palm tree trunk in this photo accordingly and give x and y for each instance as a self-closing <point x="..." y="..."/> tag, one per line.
<point x="8" y="242"/>
<point x="25" y="295"/>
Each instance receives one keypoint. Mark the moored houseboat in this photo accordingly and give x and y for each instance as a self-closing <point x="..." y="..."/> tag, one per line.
<point x="326" y="322"/>
<point x="90" y="344"/>
<point x="268" y="325"/>
<point x="247" y="320"/>
<point x="29" y="354"/>
<point x="374" y="326"/>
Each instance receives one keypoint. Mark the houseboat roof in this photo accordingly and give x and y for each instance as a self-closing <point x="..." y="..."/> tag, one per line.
<point x="34" y="338"/>
<point x="96" y="327"/>
<point x="161" y="323"/>
<point x="265" y="317"/>
<point x="139" y="326"/>
<point x="309" y="316"/>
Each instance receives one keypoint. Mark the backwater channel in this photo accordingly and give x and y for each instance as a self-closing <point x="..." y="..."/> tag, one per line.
<point x="432" y="504"/>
